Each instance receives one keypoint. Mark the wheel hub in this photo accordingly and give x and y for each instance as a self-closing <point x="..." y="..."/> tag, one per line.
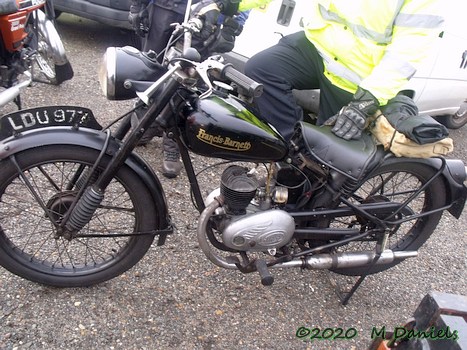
<point x="375" y="199"/>
<point x="59" y="204"/>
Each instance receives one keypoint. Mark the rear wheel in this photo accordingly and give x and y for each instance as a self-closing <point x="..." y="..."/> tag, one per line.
<point x="396" y="183"/>
<point x="31" y="205"/>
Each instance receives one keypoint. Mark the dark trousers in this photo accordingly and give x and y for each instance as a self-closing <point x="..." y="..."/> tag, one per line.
<point x="156" y="40"/>
<point x="294" y="63"/>
<point x="160" y="30"/>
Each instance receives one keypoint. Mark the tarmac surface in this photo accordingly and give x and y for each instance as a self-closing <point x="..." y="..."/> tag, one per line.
<point x="174" y="298"/>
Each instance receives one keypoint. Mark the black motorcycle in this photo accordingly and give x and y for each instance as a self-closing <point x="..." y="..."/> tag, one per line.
<point x="79" y="207"/>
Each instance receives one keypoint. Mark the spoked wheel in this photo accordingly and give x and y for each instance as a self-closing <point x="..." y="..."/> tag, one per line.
<point x="395" y="183"/>
<point x="44" y="59"/>
<point x="33" y="202"/>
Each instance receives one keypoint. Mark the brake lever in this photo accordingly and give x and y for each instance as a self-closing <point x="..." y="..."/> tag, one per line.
<point x="202" y="69"/>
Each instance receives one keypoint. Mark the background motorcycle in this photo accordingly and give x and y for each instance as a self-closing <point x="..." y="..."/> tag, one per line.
<point x="78" y="207"/>
<point x="30" y="48"/>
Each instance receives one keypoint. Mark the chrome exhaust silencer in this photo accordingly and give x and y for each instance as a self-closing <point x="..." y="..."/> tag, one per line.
<point x="347" y="260"/>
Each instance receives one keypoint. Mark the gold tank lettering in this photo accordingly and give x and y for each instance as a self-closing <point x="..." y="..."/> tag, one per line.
<point x="221" y="142"/>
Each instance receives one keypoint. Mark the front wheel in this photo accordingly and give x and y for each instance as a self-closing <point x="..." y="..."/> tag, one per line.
<point x="396" y="183"/>
<point x="35" y="200"/>
<point x="50" y="57"/>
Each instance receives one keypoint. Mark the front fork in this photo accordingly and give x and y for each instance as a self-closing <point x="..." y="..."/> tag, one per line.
<point x="88" y="203"/>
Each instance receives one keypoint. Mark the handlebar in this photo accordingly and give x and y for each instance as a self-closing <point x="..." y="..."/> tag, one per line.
<point x="194" y="25"/>
<point x="252" y="87"/>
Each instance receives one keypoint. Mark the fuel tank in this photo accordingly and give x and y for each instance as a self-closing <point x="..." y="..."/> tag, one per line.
<point x="222" y="126"/>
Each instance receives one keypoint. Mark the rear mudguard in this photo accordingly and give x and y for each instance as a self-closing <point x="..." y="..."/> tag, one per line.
<point x="95" y="139"/>
<point x="454" y="175"/>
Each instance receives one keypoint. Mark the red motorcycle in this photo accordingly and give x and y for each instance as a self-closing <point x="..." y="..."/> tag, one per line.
<point x="30" y="48"/>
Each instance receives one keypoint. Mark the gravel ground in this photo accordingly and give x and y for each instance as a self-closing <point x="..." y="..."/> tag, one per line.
<point x="175" y="298"/>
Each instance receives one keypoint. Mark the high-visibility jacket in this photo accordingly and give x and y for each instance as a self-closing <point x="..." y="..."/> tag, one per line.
<point x="249" y="4"/>
<point x="374" y="44"/>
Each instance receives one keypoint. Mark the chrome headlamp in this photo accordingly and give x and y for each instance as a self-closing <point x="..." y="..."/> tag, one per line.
<point x="121" y="67"/>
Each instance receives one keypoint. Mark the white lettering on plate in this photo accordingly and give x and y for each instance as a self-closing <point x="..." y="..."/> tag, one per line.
<point x="60" y="116"/>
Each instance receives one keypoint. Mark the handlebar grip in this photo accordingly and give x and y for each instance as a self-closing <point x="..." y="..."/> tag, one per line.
<point x="253" y="88"/>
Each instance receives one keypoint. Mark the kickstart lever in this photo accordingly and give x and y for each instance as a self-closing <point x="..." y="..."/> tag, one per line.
<point x="259" y="265"/>
<point x="262" y="268"/>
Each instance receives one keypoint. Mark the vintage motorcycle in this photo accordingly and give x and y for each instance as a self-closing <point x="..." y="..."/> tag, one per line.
<point x="79" y="207"/>
<point x="30" y="48"/>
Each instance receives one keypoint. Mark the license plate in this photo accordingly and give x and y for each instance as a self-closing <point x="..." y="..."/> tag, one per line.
<point x="36" y="118"/>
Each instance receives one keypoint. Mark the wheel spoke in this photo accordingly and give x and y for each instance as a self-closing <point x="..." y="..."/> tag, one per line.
<point x="34" y="197"/>
<point x="404" y="184"/>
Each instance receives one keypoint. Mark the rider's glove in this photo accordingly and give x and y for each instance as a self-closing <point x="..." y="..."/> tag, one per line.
<point x="208" y="11"/>
<point x="226" y="40"/>
<point x="351" y="119"/>
<point x="139" y="17"/>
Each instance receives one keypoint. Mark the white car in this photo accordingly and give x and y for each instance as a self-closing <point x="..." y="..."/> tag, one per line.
<point x="439" y="87"/>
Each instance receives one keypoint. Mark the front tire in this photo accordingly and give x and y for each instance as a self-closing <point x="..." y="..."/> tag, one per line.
<point x="396" y="183"/>
<point x="33" y="202"/>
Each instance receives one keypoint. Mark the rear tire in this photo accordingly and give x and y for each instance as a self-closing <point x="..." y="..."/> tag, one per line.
<point x="30" y="245"/>
<point x="396" y="182"/>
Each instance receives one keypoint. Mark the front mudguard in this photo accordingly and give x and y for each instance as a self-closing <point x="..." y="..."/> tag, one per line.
<point x="453" y="175"/>
<point x="95" y="139"/>
<point x="48" y="29"/>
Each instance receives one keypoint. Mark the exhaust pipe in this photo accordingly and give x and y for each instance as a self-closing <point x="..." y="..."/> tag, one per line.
<point x="203" y="242"/>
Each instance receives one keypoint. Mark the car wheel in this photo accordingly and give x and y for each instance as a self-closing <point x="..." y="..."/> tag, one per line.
<point x="457" y="120"/>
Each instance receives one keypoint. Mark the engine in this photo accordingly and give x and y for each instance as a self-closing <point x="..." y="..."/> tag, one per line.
<point x="250" y="219"/>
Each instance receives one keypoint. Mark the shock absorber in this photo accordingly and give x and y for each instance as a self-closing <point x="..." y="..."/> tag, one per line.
<point x="84" y="209"/>
<point x="85" y="179"/>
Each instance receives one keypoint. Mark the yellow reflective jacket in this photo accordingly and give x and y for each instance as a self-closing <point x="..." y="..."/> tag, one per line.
<point x="375" y="44"/>
<point x="249" y="4"/>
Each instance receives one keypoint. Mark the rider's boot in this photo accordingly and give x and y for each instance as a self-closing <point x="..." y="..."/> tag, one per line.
<point x="171" y="166"/>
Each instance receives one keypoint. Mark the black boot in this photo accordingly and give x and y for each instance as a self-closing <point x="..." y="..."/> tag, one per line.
<point x="171" y="166"/>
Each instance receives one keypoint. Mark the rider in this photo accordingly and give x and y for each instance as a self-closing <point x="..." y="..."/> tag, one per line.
<point x="360" y="53"/>
<point x="152" y="20"/>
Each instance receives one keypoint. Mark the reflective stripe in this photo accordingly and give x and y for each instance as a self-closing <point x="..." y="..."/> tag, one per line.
<point x="339" y="70"/>
<point x="401" y="19"/>
<point x="357" y="29"/>
<point x="405" y="69"/>
<point x="418" y="21"/>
